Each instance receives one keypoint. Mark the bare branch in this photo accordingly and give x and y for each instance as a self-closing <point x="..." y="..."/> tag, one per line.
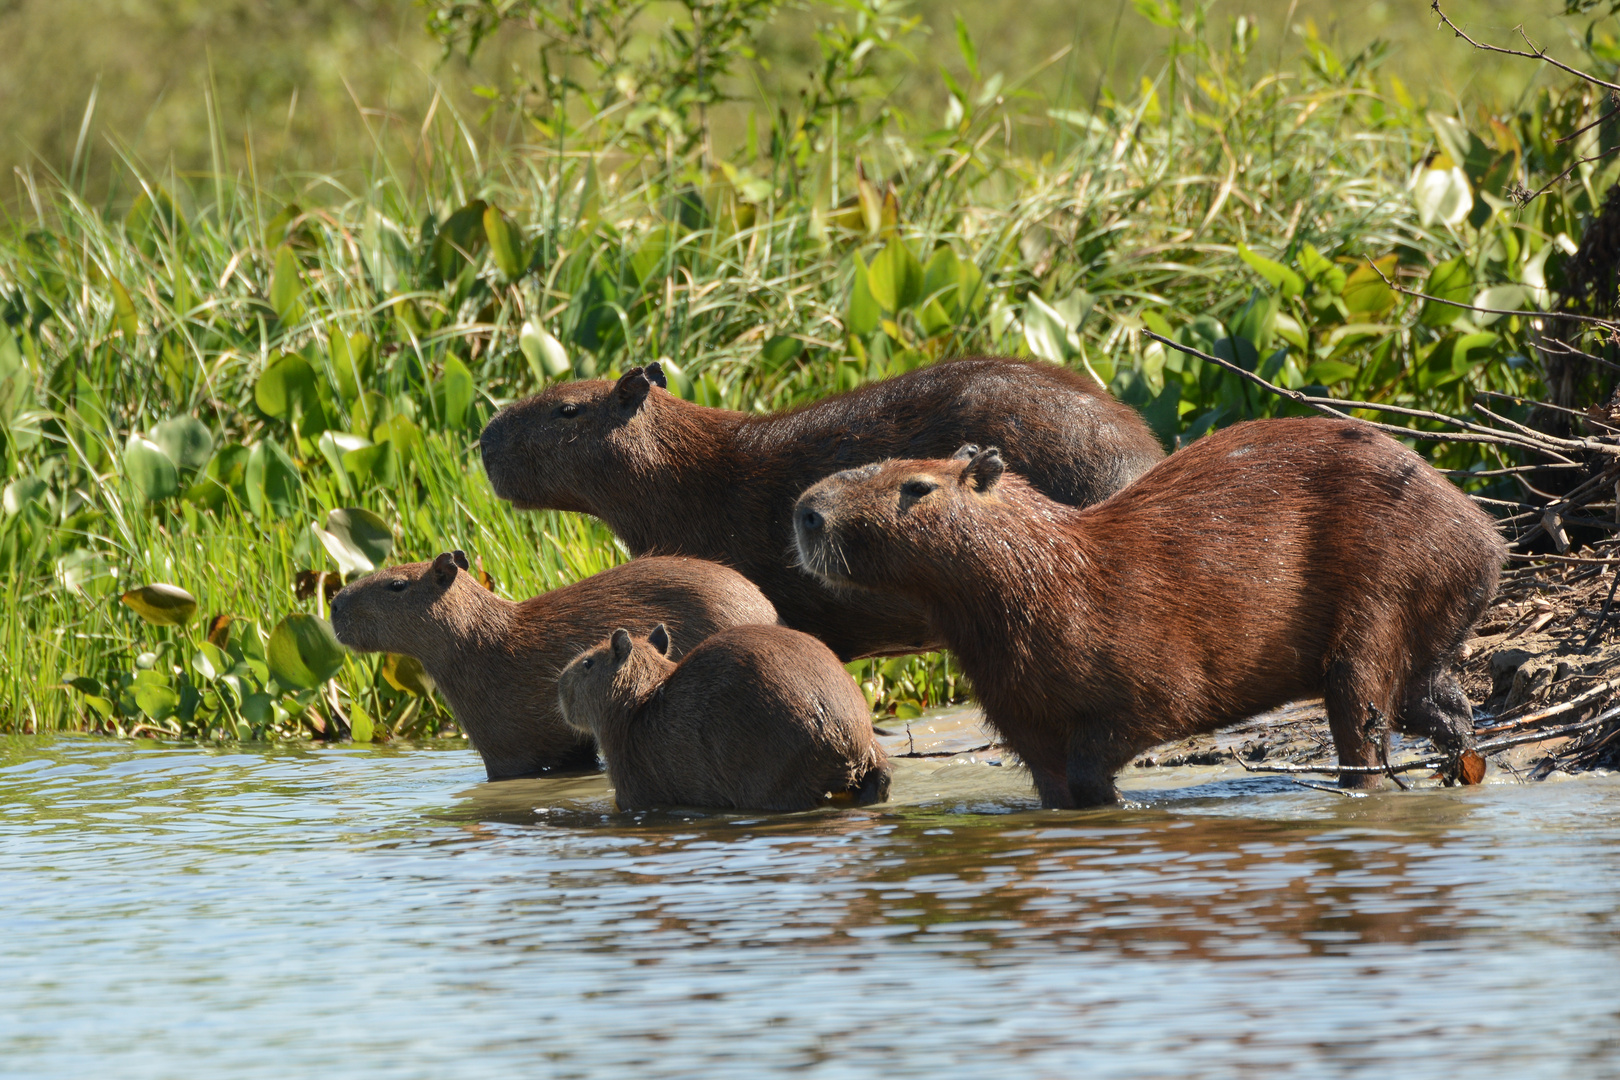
<point x="1570" y="316"/>
<point x="1536" y="53"/>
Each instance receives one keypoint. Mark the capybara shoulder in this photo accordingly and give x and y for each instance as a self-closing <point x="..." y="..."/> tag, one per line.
<point x="1267" y="562"/>
<point x="496" y="661"/>
<point x="754" y="717"/>
<point x="671" y="476"/>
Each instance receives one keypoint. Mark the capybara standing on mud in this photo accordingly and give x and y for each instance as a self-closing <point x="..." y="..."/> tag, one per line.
<point x="674" y="478"/>
<point x="1271" y="561"/>
<point x="497" y="661"/>
<point x="755" y="718"/>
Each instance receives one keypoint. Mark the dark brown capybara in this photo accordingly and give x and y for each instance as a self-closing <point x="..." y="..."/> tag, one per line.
<point x="1271" y="561"/>
<point x="754" y="718"/>
<point x="497" y="661"/>
<point x="672" y="477"/>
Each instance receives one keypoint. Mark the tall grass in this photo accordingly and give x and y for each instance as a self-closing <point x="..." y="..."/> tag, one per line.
<point x="342" y="341"/>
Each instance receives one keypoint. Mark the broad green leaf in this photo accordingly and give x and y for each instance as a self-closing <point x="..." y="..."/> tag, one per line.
<point x="505" y="242"/>
<point x="303" y="652"/>
<point x="458" y="392"/>
<point x="778" y="351"/>
<point x="1284" y="280"/>
<point x="81" y="568"/>
<point x="1328" y="372"/>
<point x="941" y="279"/>
<point x="1256" y="322"/>
<point x="406" y="673"/>
<point x="864" y="313"/>
<point x="226" y="472"/>
<point x="935" y="319"/>
<point x="372" y="463"/>
<point x="1451" y="280"/>
<point x="22" y="493"/>
<point x="358" y="540"/>
<point x="1500" y="297"/>
<point x="150" y="469"/>
<point x="209" y="661"/>
<point x="352" y="359"/>
<point x="401" y="431"/>
<point x="286" y="385"/>
<point x="1321" y="271"/>
<point x="1365" y="292"/>
<point x="186" y="440"/>
<point x="360" y="726"/>
<point x="161" y="605"/>
<point x="1046" y="332"/>
<point x="157" y="702"/>
<point x="333" y="445"/>
<point x="459" y="239"/>
<point x="546" y="356"/>
<point x="124" y="317"/>
<point x="272" y="481"/>
<point x="1441" y="195"/>
<point x="680" y="382"/>
<point x="895" y="277"/>
<point x="287" y="285"/>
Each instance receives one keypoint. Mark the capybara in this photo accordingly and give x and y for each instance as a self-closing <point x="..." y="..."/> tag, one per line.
<point x="497" y="661"/>
<point x="675" y="478"/>
<point x="1271" y="561"/>
<point x="755" y="718"/>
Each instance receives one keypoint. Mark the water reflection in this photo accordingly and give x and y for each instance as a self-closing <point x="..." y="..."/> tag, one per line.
<point x="174" y="898"/>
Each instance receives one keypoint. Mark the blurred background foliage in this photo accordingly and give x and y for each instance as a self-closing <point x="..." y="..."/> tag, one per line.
<point x="249" y="341"/>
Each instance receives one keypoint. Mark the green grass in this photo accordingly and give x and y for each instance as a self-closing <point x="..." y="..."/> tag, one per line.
<point x="1231" y="200"/>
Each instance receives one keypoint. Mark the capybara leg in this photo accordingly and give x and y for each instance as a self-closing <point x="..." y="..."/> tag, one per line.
<point x="1356" y="733"/>
<point x="1092" y="765"/>
<point x="1436" y="706"/>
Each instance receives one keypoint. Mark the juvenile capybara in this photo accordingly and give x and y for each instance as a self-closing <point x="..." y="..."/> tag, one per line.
<point x="755" y="718"/>
<point x="1271" y="561"/>
<point x="497" y="661"/>
<point x="675" y="478"/>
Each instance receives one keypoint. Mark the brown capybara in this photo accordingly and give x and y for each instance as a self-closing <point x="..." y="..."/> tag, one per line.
<point x="754" y="718"/>
<point x="1271" y="561"/>
<point x="497" y="661"/>
<point x="675" y="478"/>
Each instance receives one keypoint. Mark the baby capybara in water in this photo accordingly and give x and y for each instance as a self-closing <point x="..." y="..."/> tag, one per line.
<point x="1271" y="561"/>
<point x="755" y="717"/>
<point x="676" y="478"/>
<point x="496" y="661"/>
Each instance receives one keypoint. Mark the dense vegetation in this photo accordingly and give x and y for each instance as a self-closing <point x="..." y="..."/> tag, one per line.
<point x="220" y="397"/>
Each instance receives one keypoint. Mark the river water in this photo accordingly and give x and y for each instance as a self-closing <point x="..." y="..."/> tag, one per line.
<point x="175" y="911"/>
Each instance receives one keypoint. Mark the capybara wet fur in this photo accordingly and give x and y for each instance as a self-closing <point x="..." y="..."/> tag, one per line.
<point x="755" y="718"/>
<point x="672" y="477"/>
<point x="496" y="661"/>
<point x="1268" y="562"/>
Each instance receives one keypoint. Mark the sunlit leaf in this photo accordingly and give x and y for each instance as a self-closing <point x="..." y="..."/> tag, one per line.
<point x="271" y="480"/>
<point x="1500" y="297"/>
<point x="303" y="651"/>
<point x="1284" y="280"/>
<point x="1365" y="291"/>
<point x="1450" y="280"/>
<point x="505" y="242"/>
<point x="407" y="673"/>
<point x="864" y="312"/>
<point x="546" y="356"/>
<point x="287" y="383"/>
<point x="895" y="277"/>
<point x="1046" y="332"/>
<point x="124" y="317"/>
<point x="150" y="469"/>
<point x="157" y="702"/>
<point x="352" y="358"/>
<point x="1321" y="271"/>
<point x="458" y="392"/>
<point x="287" y="285"/>
<point x="161" y="604"/>
<point x="1441" y="195"/>
<point x="186" y="440"/>
<point x="360" y="725"/>
<point x="22" y="493"/>
<point x="358" y="540"/>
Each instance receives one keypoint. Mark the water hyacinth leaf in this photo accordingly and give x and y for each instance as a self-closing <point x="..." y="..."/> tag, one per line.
<point x="778" y="351"/>
<point x="286" y="285"/>
<point x="546" y="356"/>
<point x="407" y="674"/>
<point x="150" y="469"/>
<point x="1450" y="280"/>
<point x="186" y="440"/>
<point x="1441" y="194"/>
<point x="287" y="383"/>
<point x="225" y="475"/>
<point x="360" y="726"/>
<point x="352" y="359"/>
<point x="459" y="239"/>
<point x="21" y="494"/>
<point x="161" y="604"/>
<point x="374" y="462"/>
<point x="357" y="539"/>
<point x="271" y="480"/>
<point x="303" y="652"/>
<point x="1365" y="291"/>
<point x="1500" y="297"/>
<point x="124" y="318"/>
<point x="333" y="445"/>
<point x="1046" y="332"/>
<point x="157" y="702"/>
<point x="895" y="277"/>
<point x="942" y="277"/>
<point x="680" y="383"/>
<point x="458" y="392"/>
<point x="864" y="313"/>
<point x="935" y="319"/>
<point x="401" y="432"/>
<point x="1284" y="280"/>
<point x="505" y="242"/>
<point x="1321" y="271"/>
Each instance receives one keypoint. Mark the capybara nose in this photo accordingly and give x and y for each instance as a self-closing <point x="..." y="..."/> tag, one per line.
<point x="809" y="520"/>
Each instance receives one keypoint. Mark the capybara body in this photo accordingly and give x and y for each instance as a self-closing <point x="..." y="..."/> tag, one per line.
<point x="672" y="477"/>
<point x="1271" y="561"/>
<point x="754" y="717"/>
<point x="497" y="661"/>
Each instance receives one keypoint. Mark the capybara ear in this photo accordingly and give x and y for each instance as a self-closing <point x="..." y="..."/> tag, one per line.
<point x="632" y="387"/>
<point x="461" y="558"/>
<point x="655" y="375"/>
<point x="445" y="568"/>
<point x="966" y="452"/>
<point x="620" y="645"/>
<point x="984" y="469"/>
<point x="659" y="639"/>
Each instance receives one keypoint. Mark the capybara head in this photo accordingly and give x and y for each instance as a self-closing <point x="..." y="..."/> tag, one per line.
<point x="540" y="453"/>
<point x="872" y="526"/>
<point x="405" y="609"/>
<point x="613" y="678"/>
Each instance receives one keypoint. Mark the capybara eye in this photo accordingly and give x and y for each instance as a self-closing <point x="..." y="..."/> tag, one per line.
<point x="568" y="410"/>
<point x="586" y="663"/>
<point x="917" y="488"/>
<point x="399" y="584"/>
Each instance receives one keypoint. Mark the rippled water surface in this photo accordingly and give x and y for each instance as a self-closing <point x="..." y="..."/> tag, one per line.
<point x="174" y="911"/>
